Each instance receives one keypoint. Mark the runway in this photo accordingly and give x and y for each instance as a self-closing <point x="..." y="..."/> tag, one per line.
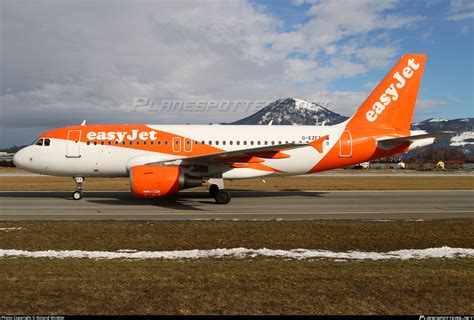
<point x="245" y="205"/>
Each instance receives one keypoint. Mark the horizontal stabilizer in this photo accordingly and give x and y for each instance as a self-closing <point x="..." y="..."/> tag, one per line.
<point x="388" y="144"/>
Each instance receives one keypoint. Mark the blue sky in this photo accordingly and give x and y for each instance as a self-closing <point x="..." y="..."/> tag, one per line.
<point x="66" y="61"/>
<point x="444" y="32"/>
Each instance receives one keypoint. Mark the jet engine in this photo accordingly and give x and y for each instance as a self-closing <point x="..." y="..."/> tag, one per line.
<point x="158" y="181"/>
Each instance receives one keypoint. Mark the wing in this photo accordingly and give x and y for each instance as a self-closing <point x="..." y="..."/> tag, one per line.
<point x="250" y="155"/>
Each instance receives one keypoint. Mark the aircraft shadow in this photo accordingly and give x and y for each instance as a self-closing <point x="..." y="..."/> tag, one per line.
<point x="182" y="201"/>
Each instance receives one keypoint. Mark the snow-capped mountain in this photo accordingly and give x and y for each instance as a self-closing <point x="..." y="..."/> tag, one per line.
<point x="462" y="141"/>
<point x="456" y="125"/>
<point x="290" y="111"/>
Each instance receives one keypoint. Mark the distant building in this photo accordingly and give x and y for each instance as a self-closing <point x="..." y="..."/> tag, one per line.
<point x="376" y="165"/>
<point x="454" y="164"/>
<point x="387" y="165"/>
<point x="468" y="166"/>
<point x="401" y="165"/>
<point x="440" y="165"/>
<point x="427" y="166"/>
<point x="413" y="165"/>
<point x="6" y="156"/>
<point x="364" y="165"/>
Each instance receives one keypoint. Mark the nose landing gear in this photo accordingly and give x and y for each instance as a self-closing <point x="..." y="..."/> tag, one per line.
<point x="77" y="194"/>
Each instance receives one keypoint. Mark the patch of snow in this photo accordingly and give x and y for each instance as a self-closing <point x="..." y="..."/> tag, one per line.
<point x="10" y="229"/>
<point x="460" y="140"/>
<point x="242" y="253"/>
<point x="306" y="105"/>
<point x="438" y="120"/>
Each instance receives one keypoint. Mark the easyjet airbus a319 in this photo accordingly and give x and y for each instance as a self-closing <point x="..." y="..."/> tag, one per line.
<point x="160" y="160"/>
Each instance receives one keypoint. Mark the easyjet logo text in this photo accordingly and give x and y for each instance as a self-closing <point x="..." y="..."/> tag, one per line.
<point x="121" y="136"/>
<point x="392" y="91"/>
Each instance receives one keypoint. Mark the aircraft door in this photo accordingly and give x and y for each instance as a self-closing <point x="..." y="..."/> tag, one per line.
<point x="345" y="145"/>
<point x="73" y="146"/>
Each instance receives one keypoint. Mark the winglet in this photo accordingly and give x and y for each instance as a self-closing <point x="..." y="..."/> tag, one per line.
<point x="318" y="143"/>
<point x="83" y="123"/>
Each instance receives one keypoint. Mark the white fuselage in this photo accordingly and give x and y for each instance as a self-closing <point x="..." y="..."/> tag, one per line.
<point x="115" y="160"/>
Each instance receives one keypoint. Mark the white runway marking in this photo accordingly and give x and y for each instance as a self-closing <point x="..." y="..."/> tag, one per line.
<point x="241" y="253"/>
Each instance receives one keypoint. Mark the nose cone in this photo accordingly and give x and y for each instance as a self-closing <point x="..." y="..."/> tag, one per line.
<point x="20" y="159"/>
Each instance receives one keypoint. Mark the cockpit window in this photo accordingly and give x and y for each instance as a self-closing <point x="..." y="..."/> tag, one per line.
<point x="39" y="142"/>
<point x="46" y="142"/>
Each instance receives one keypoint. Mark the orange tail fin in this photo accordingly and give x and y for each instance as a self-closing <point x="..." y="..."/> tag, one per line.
<point x="392" y="103"/>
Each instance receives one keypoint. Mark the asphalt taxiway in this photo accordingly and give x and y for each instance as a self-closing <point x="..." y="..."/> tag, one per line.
<point x="245" y="205"/>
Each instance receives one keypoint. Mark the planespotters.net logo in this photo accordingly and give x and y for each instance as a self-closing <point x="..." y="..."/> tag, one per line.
<point x="391" y="93"/>
<point x="446" y="318"/>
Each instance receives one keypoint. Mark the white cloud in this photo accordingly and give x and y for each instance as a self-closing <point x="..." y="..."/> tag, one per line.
<point x="371" y="85"/>
<point x="297" y="2"/>
<point x="66" y="61"/>
<point x="431" y="103"/>
<point x="460" y="10"/>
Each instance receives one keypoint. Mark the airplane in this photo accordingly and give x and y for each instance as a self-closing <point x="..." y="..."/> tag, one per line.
<point x="161" y="160"/>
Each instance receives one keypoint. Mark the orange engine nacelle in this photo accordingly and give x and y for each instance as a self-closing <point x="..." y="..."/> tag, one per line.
<point x="158" y="181"/>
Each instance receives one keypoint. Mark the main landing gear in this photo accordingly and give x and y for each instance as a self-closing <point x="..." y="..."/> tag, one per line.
<point x="77" y="194"/>
<point x="217" y="191"/>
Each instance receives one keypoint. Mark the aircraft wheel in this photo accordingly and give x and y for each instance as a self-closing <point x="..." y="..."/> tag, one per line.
<point x="213" y="190"/>
<point x="222" y="197"/>
<point x="76" y="195"/>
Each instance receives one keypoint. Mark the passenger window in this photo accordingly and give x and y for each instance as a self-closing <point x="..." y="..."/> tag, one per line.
<point x="238" y="143"/>
<point x="158" y="142"/>
<point x="109" y="142"/>
<point x="39" y="142"/>
<point x="210" y="143"/>
<point x="102" y="142"/>
<point x="223" y="142"/>
<point x="144" y="143"/>
<point x="88" y="142"/>
<point x="251" y="143"/>
<point x="95" y="143"/>
<point x="166" y="142"/>
<point x="245" y="143"/>
<point x="203" y="142"/>
<point x="231" y="142"/>
<point x="152" y="143"/>
<point x="217" y="143"/>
